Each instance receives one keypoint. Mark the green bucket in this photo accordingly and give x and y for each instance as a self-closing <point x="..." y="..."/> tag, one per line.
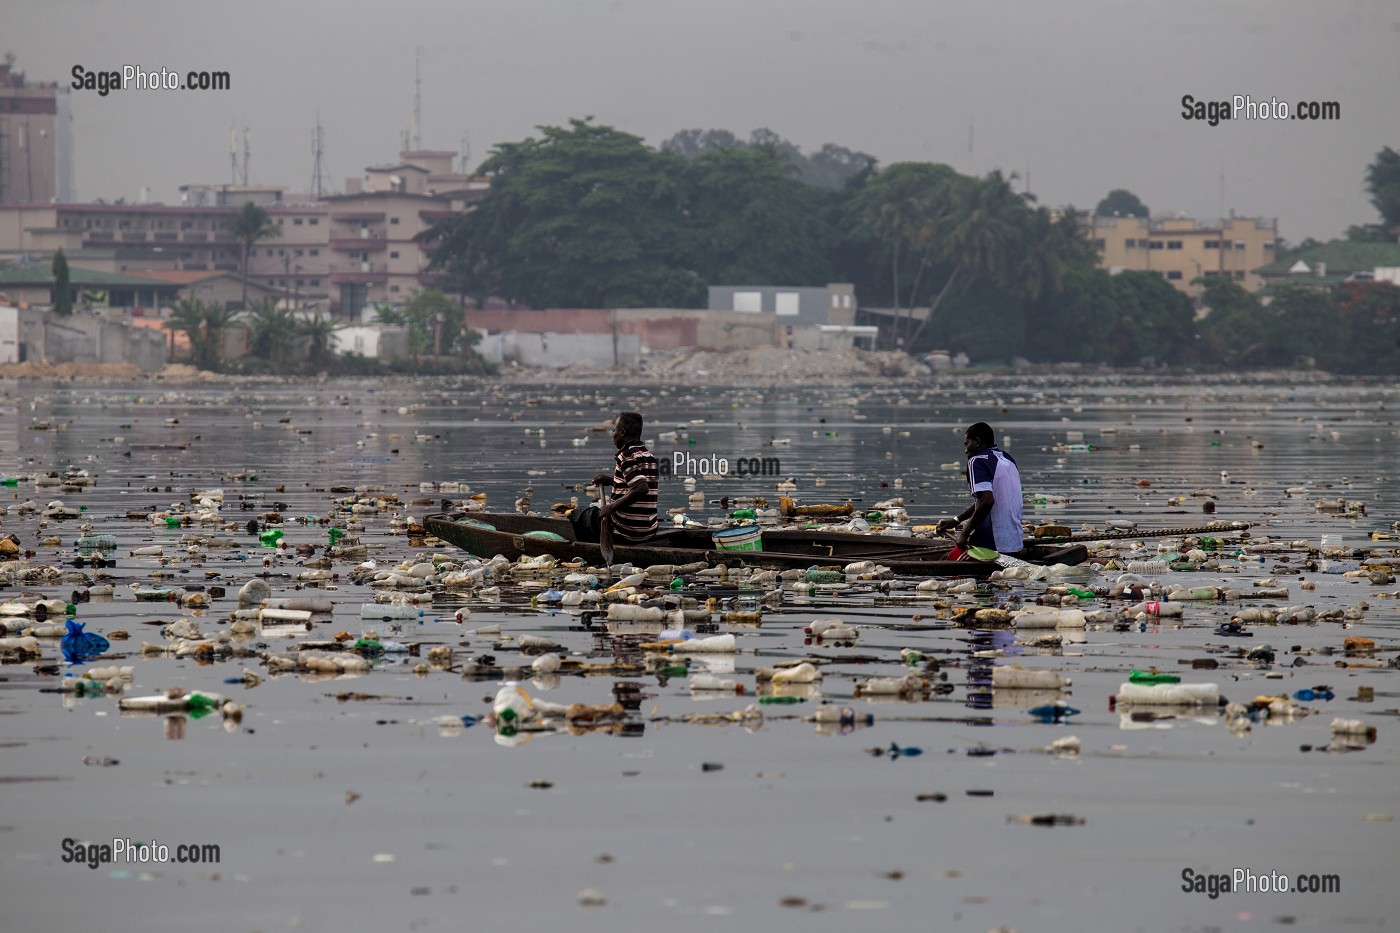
<point x="739" y="538"/>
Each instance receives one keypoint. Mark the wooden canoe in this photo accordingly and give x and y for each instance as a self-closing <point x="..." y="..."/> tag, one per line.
<point x="486" y="534"/>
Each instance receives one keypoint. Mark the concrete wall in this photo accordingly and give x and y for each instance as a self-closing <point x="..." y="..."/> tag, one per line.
<point x="555" y="350"/>
<point x="655" y="328"/>
<point x="86" y="338"/>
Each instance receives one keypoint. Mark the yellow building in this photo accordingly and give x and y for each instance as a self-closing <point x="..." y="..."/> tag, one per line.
<point x="1181" y="250"/>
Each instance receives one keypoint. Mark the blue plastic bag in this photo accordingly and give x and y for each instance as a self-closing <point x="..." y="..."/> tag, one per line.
<point x="79" y="646"/>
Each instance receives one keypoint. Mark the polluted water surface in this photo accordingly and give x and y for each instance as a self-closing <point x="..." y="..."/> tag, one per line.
<point x="374" y="729"/>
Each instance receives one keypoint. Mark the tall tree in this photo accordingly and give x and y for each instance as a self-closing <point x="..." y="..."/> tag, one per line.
<point x="248" y="225"/>
<point x="903" y="211"/>
<point x="1383" y="183"/>
<point x="585" y="217"/>
<point x="62" y="285"/>
<point x="751" y="222"/>
<point x="1121" y="202"/>
<point x="982" y="228"/>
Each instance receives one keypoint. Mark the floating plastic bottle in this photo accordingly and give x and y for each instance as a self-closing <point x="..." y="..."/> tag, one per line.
<point x="96" y="542"/>
<point x="1015" y="677"/>
<point x="387" y="611"/>
<point x="1156" y="608"/>
<point x="1152" y="677"/>
<point x="1131" y="694"/>
<point x="512" y="705"/>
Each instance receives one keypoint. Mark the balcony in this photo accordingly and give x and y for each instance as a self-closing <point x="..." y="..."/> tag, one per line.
<point x="374" y="242"/>
<point x="359" y="273"/>
<point x="166" y="236"/>
<point x="133" y="236"/>
<point x="358" y="216"/>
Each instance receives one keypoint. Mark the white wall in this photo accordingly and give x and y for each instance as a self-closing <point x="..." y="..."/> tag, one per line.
<point x="9" y="335"/>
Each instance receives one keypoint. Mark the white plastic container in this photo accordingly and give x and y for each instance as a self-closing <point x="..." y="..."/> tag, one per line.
<point x="385" y="611"/>
<point x="1047" y="617"/>
<point x="1131" y="694"/>
<point x="1016" y="677"/>
<point x="626" y="612"/>
<point x="716" y="643"/>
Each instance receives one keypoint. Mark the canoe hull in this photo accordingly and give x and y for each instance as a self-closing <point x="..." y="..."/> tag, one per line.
<point x="784" y="549"/>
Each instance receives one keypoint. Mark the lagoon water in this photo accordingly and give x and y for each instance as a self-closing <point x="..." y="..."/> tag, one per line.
<point x="336" y="812"/>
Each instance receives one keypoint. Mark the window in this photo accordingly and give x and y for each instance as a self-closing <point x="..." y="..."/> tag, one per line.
<point x="1239" y="244"/>
<point x="1130" y="244"/>
<point x="281" y="252"/>
<point x="313" y="221"/>
<point x="296" y="252"/>
<point x="1238" y="273"/>
<point x="315" y="252"/>
<point x="1174" y="276"/>
<point x="748" y="301"/>
<point x="785" y="303"/>
<point x="393" y="255"/>
<point x="1211" y="273"/>
<point x="296" y="222"/>
<point x="1173" y="244"/>
<point x="1268" y="244"/>
<point x="315" y="282"/>
<point x="1154" y="244"/>
<point x="1099" y="243"/>
<point x="393" y="220"/>
<point x="1212" y="244"/>
<point x="393" y="288"/>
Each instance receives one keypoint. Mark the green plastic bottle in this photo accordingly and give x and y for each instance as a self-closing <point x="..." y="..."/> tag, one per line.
<point x="11" y="481"/>
<point x="779" y="700"/>
<point x="741" y="513"/>
<point x="1083" y="593"/>
<point x="172" y="521"/>
<point x="677" y="585"/>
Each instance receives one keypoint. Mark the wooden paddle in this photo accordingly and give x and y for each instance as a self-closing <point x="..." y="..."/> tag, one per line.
<point x="605" y="535"/>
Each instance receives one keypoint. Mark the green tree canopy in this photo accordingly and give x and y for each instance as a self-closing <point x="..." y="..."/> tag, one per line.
<point x="583" y="217"/>
<point x="1121" y="202"/>
<point x="62" y="285"/>
<point x="1383" y="184"/>
<point x="750" y="221"/>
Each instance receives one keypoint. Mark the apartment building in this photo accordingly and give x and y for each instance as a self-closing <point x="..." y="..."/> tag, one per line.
<point x="1182" y="250"/>
<point x="343" y="252"/>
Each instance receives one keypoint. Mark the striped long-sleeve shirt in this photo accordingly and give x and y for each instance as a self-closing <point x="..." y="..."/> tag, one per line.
<point x="635" y="521"/>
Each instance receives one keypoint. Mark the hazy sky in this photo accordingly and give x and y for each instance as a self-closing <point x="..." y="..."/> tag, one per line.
<point x="1086" y="94"/>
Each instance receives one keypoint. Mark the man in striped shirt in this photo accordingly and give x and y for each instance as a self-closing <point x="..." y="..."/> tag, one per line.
<point x="634" y="481"/>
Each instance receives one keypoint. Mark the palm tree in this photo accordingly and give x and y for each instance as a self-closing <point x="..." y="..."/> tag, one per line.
<point x="271" y="331"/>
<point x="248" y="225"/>
<point x="318" y="330"/>
<point x="188" y="318"/>
<point x="983" y="225"/>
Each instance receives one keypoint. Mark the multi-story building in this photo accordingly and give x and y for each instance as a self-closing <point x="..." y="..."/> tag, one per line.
<point x="344" y="251"/>
<point x="36" y="139"/>
<point x="1181" y="250"/>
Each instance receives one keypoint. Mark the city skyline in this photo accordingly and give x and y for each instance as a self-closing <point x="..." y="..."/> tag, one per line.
<point x="1080" y="98"/>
